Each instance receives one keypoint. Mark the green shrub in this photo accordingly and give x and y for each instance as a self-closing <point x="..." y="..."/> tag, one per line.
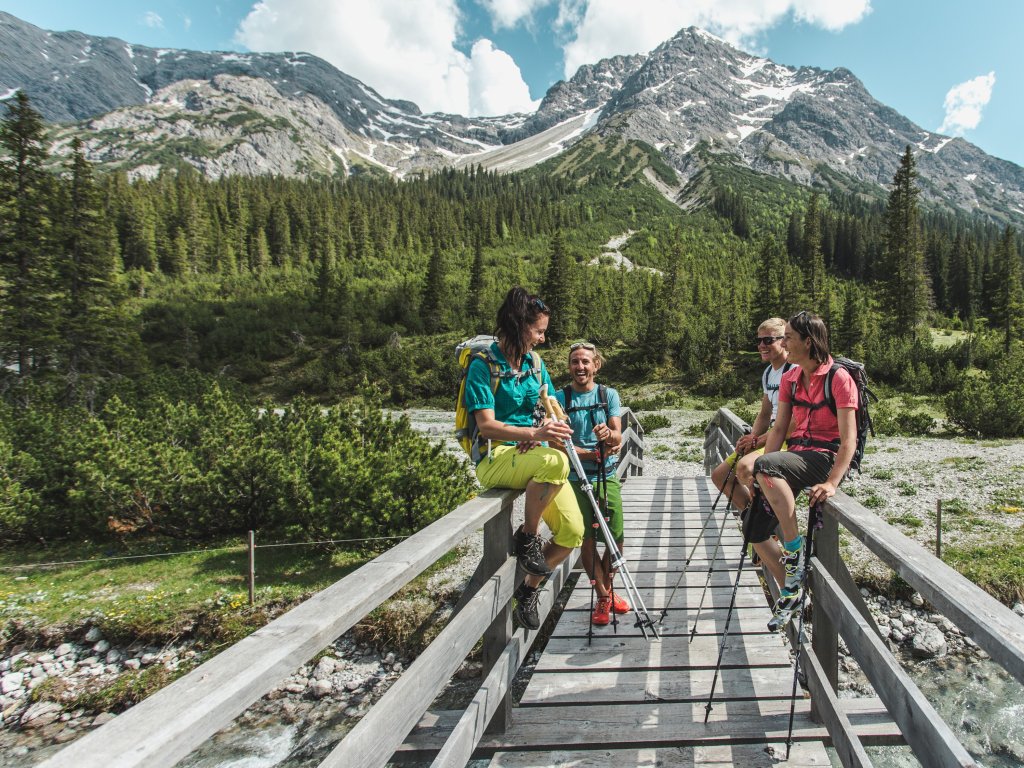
<point x="654" y="421"/>
<point x="887" y="420"/>
<point x="991" y="406"/>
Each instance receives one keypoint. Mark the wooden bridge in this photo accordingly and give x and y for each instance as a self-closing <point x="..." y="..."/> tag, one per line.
<point x="604" y="695"/>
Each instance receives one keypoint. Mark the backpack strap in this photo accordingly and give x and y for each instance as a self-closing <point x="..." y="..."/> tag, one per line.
<point x="829" y="400"/>
<point x="567" y="394"/>
<point x="764" y="377"/>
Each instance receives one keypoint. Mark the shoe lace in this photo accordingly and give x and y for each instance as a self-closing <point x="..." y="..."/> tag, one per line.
<point x="530" y="601"/>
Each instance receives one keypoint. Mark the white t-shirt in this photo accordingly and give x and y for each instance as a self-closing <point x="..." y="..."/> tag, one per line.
<point x="770" y="384"/>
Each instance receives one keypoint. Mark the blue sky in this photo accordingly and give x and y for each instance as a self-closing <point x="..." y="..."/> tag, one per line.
<point x="949" y="66"/>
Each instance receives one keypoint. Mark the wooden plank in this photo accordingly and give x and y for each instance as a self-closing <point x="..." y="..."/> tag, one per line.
<point x="488" y="701"/>
<point x="655" y="724"/>
<point x="164" y="728"/>
<point x="548" y="688"/>
<point x="931" y="739"/>
<point x="826" y="705"/>
<point x="988" y="622"/>
<point x="694" y="577"/>
<point x="610" y="653"/>
<point x="675" y="624"/>
<point x="384" y="727"/>
<point x="803" y="755"/>
<point x="717" y="597"/>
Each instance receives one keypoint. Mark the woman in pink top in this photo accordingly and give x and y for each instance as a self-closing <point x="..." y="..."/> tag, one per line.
<point x="820" y="446"/>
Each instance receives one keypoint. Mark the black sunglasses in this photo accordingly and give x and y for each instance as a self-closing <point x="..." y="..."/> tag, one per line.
<point x="766" y="340"/>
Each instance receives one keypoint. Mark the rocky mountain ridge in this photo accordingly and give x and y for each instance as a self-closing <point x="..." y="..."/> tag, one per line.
<point x="140" y="108"/>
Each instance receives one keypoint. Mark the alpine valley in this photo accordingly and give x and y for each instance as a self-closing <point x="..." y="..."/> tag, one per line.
<point x="693" y="101"/>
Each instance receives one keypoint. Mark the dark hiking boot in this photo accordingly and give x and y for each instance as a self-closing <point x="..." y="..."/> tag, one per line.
<point x="784" y="609"/>
<point x="530" y="554"/>
<point x="526" y="606"/>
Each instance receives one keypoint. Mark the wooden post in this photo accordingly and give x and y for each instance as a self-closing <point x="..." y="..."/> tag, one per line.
<point x="252" y="569"/>
<point x="497" y="549"/>
<point x="938" y="528"/>
<point x="825" y="642"/>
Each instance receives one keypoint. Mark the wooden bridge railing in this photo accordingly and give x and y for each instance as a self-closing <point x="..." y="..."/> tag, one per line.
<point x="173" y="722"/>
<point x="839" y="609"/>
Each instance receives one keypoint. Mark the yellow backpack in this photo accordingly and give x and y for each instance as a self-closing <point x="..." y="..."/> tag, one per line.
<point x="466" y="431"/>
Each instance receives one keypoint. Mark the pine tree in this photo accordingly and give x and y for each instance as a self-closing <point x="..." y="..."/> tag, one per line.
<point x="475" y="304"/>
<point x="30" y="307"/>
<point x="87" y="272"/>
<point x="559" y="291"/>
<point x="435" y="298"/>
<point x="1008" y="301"/>
<point x="813" y="257"/>
<point x="905" y="280"/>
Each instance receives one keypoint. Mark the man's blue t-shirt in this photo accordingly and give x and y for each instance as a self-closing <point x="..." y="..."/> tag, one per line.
<point x="515" y="398"/>
<point x="583" y="423"/>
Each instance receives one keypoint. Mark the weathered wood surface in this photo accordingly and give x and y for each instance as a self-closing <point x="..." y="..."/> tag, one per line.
<point x="988" y="622"/>
<point x="164" y="728"/>
<point x="931" y="739"/>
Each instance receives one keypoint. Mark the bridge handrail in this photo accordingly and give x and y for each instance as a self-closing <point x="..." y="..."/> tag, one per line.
<point x="841" y="610"/>
<point x="167" y="726"/>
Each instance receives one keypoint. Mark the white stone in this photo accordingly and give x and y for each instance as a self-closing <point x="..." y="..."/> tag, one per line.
<point x="102" y="719"/>
<point x="93" y="635"/>
<point x="12" y="681"/>
<point x="148" y="659"/>
<point x="63" y="650"/>
<point x="101" y="647"/>
<point x="352" y="685"/>
<point x="324" y="668"/>
<point x="38" y="671"/>
<point x="389" y="659"/>
<point x="1019" y="609"/>
<point x="929" y="642"/>
<point x="39" y="714"/>
<point x="320" y="688"/>
<point x="44" y="658"/>
<point x="295" y="687"/>
<point x="132" y="664"/>
<point x="113" y="656"/>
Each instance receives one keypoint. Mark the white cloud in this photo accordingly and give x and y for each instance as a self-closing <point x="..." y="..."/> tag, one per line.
<point x="153" y="19"/>
<point x="603" y="28"/>
<point x="187" y="21"/>
<point x="965" y="102"/>
<point x="496" y="85"/>
<point x="400" y="49"/>
<point x="506" y="14"/>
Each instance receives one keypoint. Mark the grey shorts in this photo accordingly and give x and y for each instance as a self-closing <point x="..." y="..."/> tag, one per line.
<point x="800" y="469"/>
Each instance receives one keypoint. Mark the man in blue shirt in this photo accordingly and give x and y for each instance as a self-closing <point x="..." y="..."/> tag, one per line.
<point x="594" y="412"/>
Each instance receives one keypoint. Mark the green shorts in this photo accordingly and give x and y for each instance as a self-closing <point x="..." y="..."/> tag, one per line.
<point x="614" y="510"/>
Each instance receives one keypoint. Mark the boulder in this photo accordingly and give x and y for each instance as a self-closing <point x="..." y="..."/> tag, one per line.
<point x="928" y="642"/>
<point x="93" y="635"/>
<point x="12" y="681"/>
<point x="320" y="688"/>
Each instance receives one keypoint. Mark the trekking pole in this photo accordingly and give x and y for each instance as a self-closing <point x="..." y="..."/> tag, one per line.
<point x="813" y="517"/>
<point x="732" y="600"/>
<point x="644" y="621"/>
<point x="711" y="561"/>
<point x="693" y="549"/>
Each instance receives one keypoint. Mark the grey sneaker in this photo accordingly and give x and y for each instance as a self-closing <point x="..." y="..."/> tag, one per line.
<point x="794" y="563"/>
<point x="526" y="606"/>
<point x="784" y="608"/>
<point x="530" y="553"/>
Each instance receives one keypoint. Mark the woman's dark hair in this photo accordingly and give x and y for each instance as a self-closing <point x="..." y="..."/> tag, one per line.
<point x="812" y="327"/>
<point x="517" y="312"/>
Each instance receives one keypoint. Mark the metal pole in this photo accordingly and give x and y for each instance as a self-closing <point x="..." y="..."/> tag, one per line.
<point x="938" y="528"/>
<point x="252" y="569"/>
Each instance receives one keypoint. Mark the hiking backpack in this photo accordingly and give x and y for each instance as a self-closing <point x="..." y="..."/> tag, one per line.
<point x="602" y="401"/>
<point x="466" y="431"/>
<point x="862" y="418"/>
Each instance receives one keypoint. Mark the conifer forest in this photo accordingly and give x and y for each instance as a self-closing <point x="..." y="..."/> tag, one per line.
<point x="148" y="327"/>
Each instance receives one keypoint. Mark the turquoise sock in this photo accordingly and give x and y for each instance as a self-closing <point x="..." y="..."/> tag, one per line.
<point x="795" y="544"/>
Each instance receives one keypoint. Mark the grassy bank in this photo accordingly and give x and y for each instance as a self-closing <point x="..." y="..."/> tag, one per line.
<point x="158" y="592"/>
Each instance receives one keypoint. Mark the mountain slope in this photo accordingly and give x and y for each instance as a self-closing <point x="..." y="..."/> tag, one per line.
<point x="294" y="114"/>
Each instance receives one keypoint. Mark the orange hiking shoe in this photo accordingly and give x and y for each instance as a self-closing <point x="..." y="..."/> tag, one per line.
<point x="619" y="605"/>
<point x="602" y="614"/>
